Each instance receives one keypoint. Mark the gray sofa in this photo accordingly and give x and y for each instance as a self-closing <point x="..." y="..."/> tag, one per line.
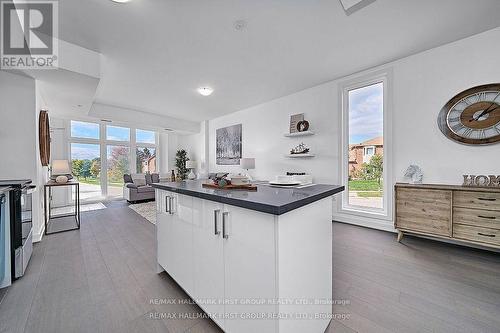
<point x="137" y="187"/>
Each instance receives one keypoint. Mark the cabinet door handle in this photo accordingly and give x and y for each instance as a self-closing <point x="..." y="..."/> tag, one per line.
<point x="487" y="217"/>
<point x="487" y="199"/>
<point x="224" y="227"/>
<point x="216" y="221"/>
<point x="486" y="235"/>
<point x="170" y="204"/>
<point x="166" y="204"/>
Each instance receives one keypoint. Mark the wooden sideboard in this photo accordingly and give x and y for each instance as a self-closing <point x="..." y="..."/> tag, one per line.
<point x="466" y="214"/>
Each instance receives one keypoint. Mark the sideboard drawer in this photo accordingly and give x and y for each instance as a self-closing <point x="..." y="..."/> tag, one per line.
<point x="477" y="217"/>
<point x="424" y="210"/>
<point x="477" y="234"/>
<point x="478" y="200"/>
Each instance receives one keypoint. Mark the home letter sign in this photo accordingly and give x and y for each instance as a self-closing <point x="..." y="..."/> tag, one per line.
<point x="483" y="181"/>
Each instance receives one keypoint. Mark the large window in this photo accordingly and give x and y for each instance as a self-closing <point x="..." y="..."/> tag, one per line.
<point x="114" y="149"/>
<point x="364" y="147"/>
<point x="143" y="136"/>
<point x="115" y="133"/>
<point x="83" y="130"/>
<point x="146" y="160"/>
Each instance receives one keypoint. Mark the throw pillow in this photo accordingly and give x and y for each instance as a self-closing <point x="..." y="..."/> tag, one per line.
<point x="139" y="180"/>
<point x="149" y="181"/>
<point x="155" y="177"/>
<point x="127" y="178"/>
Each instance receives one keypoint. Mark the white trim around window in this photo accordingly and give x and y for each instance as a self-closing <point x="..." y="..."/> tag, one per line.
<point x="371" y="217"/>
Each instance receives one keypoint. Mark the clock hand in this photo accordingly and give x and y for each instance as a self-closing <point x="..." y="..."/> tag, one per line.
<point x="490" y="111"/>
<point x="486" y="111"/>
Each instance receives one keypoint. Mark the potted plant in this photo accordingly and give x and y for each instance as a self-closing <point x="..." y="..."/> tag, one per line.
<point x="180" y="163"/>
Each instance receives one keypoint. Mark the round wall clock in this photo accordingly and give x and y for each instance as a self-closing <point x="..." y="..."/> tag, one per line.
<point x="473" y="116"/>
<point x="44" y="137"/>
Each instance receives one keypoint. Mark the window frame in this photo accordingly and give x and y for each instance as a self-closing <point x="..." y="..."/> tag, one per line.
<point x="357" y="214"/>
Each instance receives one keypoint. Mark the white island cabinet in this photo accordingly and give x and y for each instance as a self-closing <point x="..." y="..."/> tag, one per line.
<point x="251" y="271"/>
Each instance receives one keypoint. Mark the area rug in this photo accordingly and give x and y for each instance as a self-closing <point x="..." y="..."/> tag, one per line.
<point x="146" y="210"/>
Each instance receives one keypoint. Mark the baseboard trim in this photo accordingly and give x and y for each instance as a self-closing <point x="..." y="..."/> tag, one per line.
<point x="365" y="222"/>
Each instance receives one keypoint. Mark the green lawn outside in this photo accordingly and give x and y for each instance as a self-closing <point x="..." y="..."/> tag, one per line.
<point x="364" y="185"/>
<point x="373" y="194"/>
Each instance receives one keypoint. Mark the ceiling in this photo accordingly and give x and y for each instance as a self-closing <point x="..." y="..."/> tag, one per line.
<point x="156" y="53"/>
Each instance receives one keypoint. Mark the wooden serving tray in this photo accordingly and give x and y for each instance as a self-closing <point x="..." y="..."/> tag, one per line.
<point x="231" y="187"/>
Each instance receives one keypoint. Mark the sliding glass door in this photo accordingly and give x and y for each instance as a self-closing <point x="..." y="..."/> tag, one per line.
<point x="86" y="167"/>
<point x="118" y="164"/>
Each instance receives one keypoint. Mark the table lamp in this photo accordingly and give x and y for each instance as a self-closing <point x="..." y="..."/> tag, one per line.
<point x="191" y="165"/>
<point x="60" y="168"/>
<point x="247" y="164"/>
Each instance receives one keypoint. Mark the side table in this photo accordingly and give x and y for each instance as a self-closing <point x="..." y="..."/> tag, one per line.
<point x="47" y="205"/>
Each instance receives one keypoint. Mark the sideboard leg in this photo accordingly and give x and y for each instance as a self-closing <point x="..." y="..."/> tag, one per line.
<point x="400" y="236"/>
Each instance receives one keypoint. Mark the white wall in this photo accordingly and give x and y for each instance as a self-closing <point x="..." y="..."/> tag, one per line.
<point x="264" y="127"/>
<point x="17" y="126"/>
<point x="422" y="83"/>
<point x="19" y="109"/>
<point x="197" y="149"/>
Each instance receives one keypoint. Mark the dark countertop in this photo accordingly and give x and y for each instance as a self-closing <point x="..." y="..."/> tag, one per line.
<point x="267" y="199"/>
<point x="18" y="183"/>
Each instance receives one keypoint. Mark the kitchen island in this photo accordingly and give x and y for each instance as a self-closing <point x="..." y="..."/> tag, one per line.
<point x="254" y="261"/>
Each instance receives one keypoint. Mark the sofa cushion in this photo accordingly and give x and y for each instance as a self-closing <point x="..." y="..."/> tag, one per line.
<point x="145" y="189"/>
<point x="149" y="181"/>
<point x="127" y="178"/>
<point x="155" y="177"/>
<point x="139" y="179"/>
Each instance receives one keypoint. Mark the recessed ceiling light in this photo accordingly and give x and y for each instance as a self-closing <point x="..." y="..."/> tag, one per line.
<point x="239" y="25"/>
<point x="205" y="91"/>
<point x="121" y="1"/>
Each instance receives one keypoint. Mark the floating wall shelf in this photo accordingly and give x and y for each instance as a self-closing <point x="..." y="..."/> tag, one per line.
<point x="300" y="155"/>
<point x="305" y="133"/>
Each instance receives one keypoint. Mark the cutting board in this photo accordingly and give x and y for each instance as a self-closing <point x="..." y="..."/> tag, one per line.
<point x="231" y="187"/>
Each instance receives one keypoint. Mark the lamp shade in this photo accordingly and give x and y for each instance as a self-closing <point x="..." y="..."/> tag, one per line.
<point x="190" y="164"/>
<point x="247" y="163"/>
<point x="60" y="167"/>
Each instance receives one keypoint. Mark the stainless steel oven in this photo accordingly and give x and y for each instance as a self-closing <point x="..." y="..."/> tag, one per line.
<point x="25" y="233"/>
<point x="5" y="277"/>
<point x="21" y="224"/>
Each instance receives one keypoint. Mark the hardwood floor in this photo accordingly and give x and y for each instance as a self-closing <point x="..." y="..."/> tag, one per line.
<point x="102" y="279"/>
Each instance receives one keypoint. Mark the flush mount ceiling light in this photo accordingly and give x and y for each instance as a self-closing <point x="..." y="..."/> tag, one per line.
<point x="121" y="1"/>
<point x="205" y="91"/>
<point x="351" y="6"/>
<point x="240" y="25"/>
